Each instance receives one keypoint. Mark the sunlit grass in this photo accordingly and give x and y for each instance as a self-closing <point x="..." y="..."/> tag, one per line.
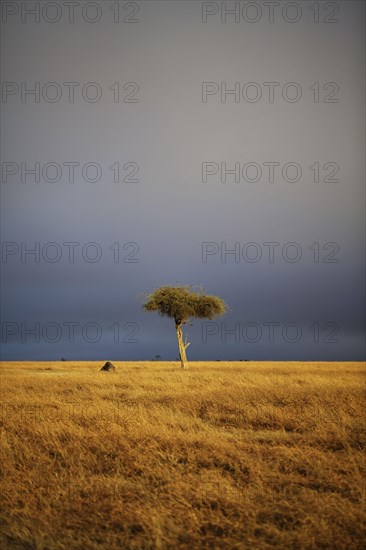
<point x="223" y="455"/>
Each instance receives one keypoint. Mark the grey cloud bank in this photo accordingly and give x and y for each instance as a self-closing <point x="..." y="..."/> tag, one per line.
<point x="129" y="93"/>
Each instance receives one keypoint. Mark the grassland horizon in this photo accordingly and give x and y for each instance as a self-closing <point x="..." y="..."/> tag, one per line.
<point x="222" y="455"/>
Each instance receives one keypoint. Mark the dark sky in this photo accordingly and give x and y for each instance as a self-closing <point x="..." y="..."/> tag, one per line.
<point x="173" y="142"/>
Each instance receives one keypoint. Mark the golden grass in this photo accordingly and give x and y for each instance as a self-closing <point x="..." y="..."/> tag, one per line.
<point x="224" y="456"/>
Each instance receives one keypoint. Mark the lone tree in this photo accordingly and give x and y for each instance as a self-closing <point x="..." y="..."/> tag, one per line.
<point x="181" y="303"/>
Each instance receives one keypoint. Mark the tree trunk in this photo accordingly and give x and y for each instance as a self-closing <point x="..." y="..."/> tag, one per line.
<point x="182" y="346"/>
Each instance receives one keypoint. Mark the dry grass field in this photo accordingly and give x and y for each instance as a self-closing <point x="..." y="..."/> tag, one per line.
<point x="225" y="455"/>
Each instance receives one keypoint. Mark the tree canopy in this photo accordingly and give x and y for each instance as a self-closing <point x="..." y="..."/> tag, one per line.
<point x="181" y="303"/>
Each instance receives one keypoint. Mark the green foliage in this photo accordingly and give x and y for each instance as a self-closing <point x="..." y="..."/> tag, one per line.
<point x="181" y="303"/>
